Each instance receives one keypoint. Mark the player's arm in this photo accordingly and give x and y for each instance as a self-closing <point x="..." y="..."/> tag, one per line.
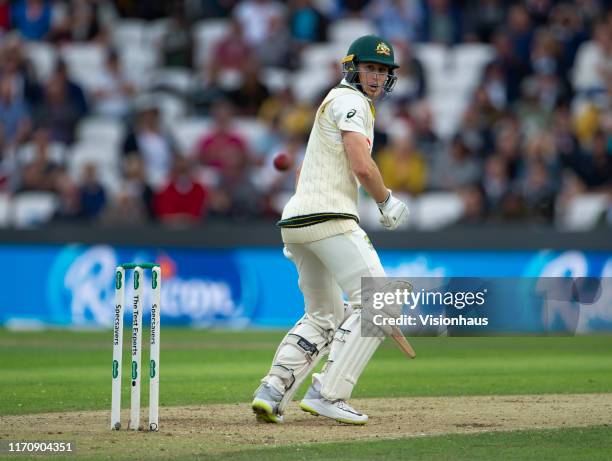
<point x="350" y="115"/>
<point x="392" y="210"/>
<point x="363" y="166"/>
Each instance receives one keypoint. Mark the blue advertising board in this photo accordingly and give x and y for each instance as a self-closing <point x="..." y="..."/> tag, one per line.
<point x="72" y="285"/>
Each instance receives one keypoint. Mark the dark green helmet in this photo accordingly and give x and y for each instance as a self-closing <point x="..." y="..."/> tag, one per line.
<point x="370" y="48"/>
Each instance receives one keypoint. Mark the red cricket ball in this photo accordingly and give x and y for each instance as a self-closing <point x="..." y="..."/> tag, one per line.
<point x="282" y="161"/>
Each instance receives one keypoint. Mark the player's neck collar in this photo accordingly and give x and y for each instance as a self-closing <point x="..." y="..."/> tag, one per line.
<point x="346" y="84"/>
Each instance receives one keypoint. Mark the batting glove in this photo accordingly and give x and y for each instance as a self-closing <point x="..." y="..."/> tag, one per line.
<point x="393" y="212"/>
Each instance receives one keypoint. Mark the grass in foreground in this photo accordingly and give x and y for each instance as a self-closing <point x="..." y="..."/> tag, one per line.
<point x="570" y="444"/>
<point x="593" y="443"/>
<point x="66" y="370"/>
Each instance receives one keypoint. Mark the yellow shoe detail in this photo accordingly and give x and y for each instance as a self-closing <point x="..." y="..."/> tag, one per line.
<point x="308" y="409"/>
<point x="264" y="412"/>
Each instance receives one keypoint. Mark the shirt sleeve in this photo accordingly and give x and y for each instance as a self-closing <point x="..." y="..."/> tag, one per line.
<point x="349" y="113"/>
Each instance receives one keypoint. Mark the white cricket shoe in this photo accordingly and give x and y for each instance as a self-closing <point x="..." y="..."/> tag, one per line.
<point x="265" y="404"/>
<point x="314" y="403"/>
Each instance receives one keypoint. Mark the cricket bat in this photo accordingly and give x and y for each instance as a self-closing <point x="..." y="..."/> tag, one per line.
<point x="402" y="342"/>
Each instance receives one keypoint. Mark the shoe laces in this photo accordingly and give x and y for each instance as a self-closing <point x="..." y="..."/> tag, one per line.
<point x="344" y="406"/>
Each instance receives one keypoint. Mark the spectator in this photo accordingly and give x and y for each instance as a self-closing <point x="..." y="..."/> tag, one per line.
<point x="508" y="147"/>
<point x="215" y="150"/>
<point x="521" y="33"/>
<point x="306" y="23"/>
<point x="62" y="107"/>
<point x="249" y="96"/>
<point x="14" y="115"/>
<point x="545" y="57"/>
<point x="79" y="21"/>
<point x="231" y="52"/>
<point x="177" y="42"/>
<point x="411" y="85"/>
<point x="123" y="210"/>
<point x="256" y="17"/>
<point x="74" y="91"/>
<point x="442" y="22"/>
<point x="570" y="32"/>
<point x="540" y="147"/>
<point x="589" y="119"/>
<point x="270" y="141"/>
<point x="495" y="86"/>
<point x="136" y="186"/>
<point x="590" y="10"/>
<point x="495" y="183"/>
<point x="351" y="7"/>
<point x="474" y="209"/>
<point x="15" y="67"/>
<point x="236" y="196"/>
<point x="92" y="193"/>
<point x="538" y="10"/>
<point x="402" y="166"/>
<point x="39" y="172"/>
<point x="534" y="108"/>
<point x="484" y="18"/>
<point x="427" y="141"/>
<point x="553" y="90"/>
<point x="594" y="60"/>
<point x="7" y="173"/>
<point x="538" y="191"/>
<point x="292" y="117"/>
<point x="86" y="23"/>
<point x="506" y="58"/>
<point x="183" y="200"/>
<point x="32" y="18"/>
<point x="571" y="188"/>
<point x="564" y="138"/>
<point x="211" y="8"/>
<point x="208" y="91"/>
<point x="514" y="207"/>
<point x="475" y="134"/>
<point x="595" y="167"/>
<point x="278" y="52"/>
<point x="143" y="9"/>
<point x="5" y="16"/>
<point x="69" y="207"/>
<point x="148" y="141"/>
<point x="400" y="21"/>
<point x="455" y="168"/>
<point x="227" y="163"/>
<point x="489" y="113"/>
<point x="112" y="91"/>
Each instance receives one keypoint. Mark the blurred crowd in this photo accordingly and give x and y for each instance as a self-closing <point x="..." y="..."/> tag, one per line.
<point x="535" y="132"/>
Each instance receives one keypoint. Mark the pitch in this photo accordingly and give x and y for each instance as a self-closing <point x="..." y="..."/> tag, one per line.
<point x="462" y="398"/>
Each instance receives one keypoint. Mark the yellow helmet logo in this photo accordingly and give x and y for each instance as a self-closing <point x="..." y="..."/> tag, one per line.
<point x="382" y="48"/>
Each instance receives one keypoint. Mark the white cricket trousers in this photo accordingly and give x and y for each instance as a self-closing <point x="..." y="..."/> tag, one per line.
<point x="330" y="267"/>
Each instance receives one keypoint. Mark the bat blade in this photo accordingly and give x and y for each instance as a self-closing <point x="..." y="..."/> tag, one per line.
<point x="402" y="343"/>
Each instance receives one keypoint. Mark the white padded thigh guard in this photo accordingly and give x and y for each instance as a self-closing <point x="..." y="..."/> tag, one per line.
<point x="349" y="354"/>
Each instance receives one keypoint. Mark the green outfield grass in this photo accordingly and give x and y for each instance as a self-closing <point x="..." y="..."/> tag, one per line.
<point x="65" y="370"/>
<point x="593" y="444"/>
<point x="58" y="371"/>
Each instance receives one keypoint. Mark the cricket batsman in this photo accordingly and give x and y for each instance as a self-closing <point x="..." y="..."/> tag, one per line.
<point x="321" y="233"/>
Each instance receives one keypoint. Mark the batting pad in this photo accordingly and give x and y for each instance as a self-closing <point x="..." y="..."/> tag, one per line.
<point x="297" y="355"/>
<point x="349" y="354"/>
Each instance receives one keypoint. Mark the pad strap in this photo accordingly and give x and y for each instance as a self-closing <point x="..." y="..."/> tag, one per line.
<point x="284" y="373"/>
